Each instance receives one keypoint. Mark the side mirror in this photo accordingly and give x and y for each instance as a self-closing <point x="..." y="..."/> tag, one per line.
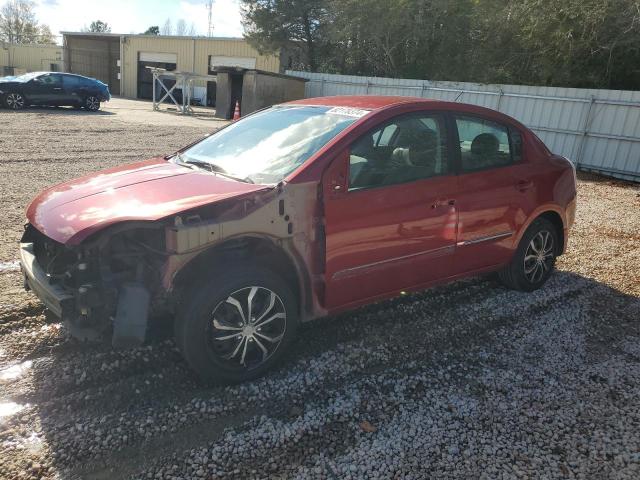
<point x="335" y="177"/>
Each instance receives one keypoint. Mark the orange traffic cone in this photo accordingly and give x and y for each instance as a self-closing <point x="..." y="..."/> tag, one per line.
<point x="236" y="113"/>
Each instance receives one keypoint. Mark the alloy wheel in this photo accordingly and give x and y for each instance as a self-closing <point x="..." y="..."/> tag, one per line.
<point x="539" y="256"/>
<point x="92" y="103"/>
<point x="247" y="328"/>
<point x="15" y="101"/>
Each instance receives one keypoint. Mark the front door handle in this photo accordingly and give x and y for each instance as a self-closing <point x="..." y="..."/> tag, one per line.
<point x="524" y="185"/>
<point x="57" y="88"/>
<point x="443" y="203"/>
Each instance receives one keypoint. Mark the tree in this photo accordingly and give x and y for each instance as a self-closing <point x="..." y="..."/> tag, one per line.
<point x="153" y="30"/>
<point x="45" y="35"/>
<point x="98" y="26"/>
<point x="296" y="25"/>
<point x="18" y="24"/>
<point x="167" y="28"/>
<point x="181" y="27"/>
<point x="573" y="43"/>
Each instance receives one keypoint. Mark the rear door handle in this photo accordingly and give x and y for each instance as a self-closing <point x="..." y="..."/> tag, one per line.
<point x="443" y="203"/>
<point x="524" y="185"/>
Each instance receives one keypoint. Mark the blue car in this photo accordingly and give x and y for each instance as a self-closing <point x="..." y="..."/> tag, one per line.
<point x="53" y="88"/>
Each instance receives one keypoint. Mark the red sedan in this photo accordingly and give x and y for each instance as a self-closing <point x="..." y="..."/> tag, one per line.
<point x="295" y="212"/>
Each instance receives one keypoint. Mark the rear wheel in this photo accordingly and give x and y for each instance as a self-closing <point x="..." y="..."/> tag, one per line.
<point x="92" y="103"/>
<point x="235" y="328"/>
<point x="14" y="101"/>
<point x="534" y="259"/>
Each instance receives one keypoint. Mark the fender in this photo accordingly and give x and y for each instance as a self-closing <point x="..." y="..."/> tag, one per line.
<point x="540" y="210"/>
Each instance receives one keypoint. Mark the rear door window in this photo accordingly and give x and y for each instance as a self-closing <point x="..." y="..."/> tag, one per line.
<point x="483" y="144"/>
<point x="72" y="82"/>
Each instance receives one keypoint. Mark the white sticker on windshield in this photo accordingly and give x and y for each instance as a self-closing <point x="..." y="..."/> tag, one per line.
<point x="349" y="112"/>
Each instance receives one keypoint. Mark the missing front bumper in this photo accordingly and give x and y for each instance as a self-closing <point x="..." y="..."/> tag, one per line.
<point x="56" y="298"/>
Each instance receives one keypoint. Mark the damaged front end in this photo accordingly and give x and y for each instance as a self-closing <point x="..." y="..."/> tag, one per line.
<point x="117" y="278"/>
<point x="108" y="282"/>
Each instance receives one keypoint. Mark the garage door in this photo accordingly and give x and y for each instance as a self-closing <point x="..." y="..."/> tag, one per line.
<point x="167" y="61"/>
<point x="96" y="58"/>
<point x="224" y="61"/>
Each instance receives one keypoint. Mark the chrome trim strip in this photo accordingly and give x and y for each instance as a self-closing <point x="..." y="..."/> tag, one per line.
<point x="473" y="241"/>
<point x="348" y="272"/>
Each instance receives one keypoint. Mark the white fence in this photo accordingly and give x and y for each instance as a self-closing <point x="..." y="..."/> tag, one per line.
<point x="599" y="130"/>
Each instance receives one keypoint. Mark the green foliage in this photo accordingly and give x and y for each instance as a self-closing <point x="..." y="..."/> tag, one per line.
<point x="98" y="26"/>
<point x="18" y="24"/>
<point x="581" y="43"/>
<point x="153" y="30"/>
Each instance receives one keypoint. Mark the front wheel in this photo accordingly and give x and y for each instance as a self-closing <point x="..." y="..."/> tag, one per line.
<point x="92" y="104"/>
<point x="14" y="101"/>
<point x="235" y="327"/>
<point x="534" y="259"/>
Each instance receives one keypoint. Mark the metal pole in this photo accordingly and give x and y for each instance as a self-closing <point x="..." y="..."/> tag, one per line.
<point x="155" y="106"/>
<point x="500" y="99"/>
<point x="585" y="132"/>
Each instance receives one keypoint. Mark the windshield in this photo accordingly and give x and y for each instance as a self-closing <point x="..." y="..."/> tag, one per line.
<point x="267" y="146"/>
<point x="26" y="77"/>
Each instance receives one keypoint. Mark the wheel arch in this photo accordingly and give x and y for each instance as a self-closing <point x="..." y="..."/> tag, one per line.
<point x="555" y="215"/>
<point x="258" y="250"/>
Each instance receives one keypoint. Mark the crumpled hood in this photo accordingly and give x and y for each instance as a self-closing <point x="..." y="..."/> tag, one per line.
<point x="146" y="191"/>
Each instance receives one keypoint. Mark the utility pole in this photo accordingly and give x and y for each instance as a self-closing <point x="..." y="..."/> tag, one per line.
<point x="210" y="10"/>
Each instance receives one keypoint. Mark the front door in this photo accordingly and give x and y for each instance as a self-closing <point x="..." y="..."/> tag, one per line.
<point x="496" y="192"/>
<point x="45" y="89"/>
<point x="391" y="225"/>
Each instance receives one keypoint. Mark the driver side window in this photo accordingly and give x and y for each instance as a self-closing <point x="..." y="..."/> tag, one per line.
<point x="53" y="80"/>
<point x="407" y="148"/>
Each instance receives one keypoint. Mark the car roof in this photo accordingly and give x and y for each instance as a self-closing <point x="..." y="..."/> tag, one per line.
<point x="380" y="102"/>
<point x="365" y="102"/>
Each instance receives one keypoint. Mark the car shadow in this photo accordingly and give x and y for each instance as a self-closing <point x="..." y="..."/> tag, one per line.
<point x="98" y="408"/>
<point x="71" y="111"/>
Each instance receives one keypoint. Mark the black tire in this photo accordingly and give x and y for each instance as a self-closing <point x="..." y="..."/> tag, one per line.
<point x="519" y="274"/>
<point x="92" y="103"/>
<point x="196" y="332"/>
<point x="15" y="101"/>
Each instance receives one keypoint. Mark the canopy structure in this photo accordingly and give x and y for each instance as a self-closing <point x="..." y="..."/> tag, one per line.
<point x="183" y="81"/>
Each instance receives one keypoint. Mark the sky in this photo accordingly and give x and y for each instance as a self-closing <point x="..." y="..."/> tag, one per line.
<point x="135" y="16"/>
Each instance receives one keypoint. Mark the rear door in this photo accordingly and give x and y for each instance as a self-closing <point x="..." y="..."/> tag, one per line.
<point x="497" y="193"/>
<point x="390" y="211"/>
<point x="75" y="89"/>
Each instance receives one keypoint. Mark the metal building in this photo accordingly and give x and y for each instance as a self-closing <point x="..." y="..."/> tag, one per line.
<point x="121" y="60"/>
<point x="22" y="58"/>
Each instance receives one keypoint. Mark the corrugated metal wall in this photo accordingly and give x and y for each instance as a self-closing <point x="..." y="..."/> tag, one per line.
<point x="31" y="58"/>
<point x="599" y="130"/>
<point x="192" y="55"/>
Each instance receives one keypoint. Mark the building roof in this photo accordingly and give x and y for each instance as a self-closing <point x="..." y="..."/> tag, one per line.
<point x="172" y="37"/>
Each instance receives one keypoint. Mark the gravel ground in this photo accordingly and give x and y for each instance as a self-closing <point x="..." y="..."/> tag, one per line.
<point x="468" y="380"/>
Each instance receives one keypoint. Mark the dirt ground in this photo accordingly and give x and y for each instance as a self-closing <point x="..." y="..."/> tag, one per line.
<point x="468" y="380"/>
